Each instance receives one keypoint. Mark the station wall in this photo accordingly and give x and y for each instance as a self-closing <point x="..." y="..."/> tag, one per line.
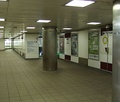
<point x="104" y="60"/>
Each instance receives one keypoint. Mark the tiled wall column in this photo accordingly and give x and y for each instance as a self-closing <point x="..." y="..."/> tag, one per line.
<point x="49" y="49"/>
<point x="116" y="52"/>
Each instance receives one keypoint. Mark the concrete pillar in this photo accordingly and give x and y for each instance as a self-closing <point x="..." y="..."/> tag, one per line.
<point x="116" y="52"/>
<point x="49" y="49"/>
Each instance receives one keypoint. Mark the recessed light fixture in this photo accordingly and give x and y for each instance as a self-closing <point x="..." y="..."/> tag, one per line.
<point x="67" y="28"/>
<point x="3" y="0"/>
<point x="44" y="21"/>
<point x="116" y="7"/>
<point x="1" y="26"/>
<point x="30" y="27"/>
<point x="23" y="31"/>
<point x="2" y="19"/>
<point x="80" y="3"/>
<point x="93" y="29"/>
<point x="94" y="23"/>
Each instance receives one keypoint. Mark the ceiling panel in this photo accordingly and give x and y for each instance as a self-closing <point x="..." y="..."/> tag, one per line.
<point x="23" y="13"/>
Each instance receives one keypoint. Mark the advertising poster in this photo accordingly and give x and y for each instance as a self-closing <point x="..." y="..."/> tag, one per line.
<point x="93" y="45"/>
<point x="61" y="44"/>
<point x="74" y="44"/>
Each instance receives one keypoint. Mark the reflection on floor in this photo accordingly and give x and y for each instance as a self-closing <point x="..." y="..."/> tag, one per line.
<point x="24" y="81"/>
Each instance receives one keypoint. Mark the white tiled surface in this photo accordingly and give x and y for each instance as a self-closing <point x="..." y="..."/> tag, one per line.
<point x="94" y="63"/>
<point x="75" y="59"/>
<point x="24" y="81"/>
<point x="62" y="56"/>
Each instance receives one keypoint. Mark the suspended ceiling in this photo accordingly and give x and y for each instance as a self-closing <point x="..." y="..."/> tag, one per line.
<point x="22" y="13"/>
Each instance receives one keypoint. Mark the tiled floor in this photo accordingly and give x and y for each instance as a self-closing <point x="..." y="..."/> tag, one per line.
<point x="24" y="81"/>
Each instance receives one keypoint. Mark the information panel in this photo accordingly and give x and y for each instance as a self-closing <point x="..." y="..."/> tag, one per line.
<point x="32" y="47"/>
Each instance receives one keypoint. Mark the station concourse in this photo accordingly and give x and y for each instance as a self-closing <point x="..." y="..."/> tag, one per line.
<point x="76" y="65"/>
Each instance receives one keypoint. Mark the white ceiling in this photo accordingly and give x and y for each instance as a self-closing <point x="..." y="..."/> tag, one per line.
<point x="22" y="13"/>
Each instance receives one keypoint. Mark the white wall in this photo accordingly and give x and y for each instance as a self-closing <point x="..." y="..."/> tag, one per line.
<point x="94" y="63"/>
<point x="75" y="59"/>
<point x="18" y="42"/>
<point x="62" y="56"/>
<point x="2" y="44"/>
<point x="110" y="46"/>
<point x="83" y="44"/>
<point x="67" y="45"/>
<point x="104" y="57"/>
<point x="23" y="43"/>
<point x="83" y="49"/>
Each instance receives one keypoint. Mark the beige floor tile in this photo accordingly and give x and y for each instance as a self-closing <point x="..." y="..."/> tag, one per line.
<point x="15" y="99"/>
<point x="24" y="81"/>
<point x="27" y="101"/>
<point x="26" y="97"/>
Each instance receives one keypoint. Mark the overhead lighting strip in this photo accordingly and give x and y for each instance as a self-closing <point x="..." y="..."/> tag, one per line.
<point x="94" y="23"/>
<point x="2" y="19"/>
<point x="44" y="21"/>
<point x="3" y="0"/>
<point x="30" y="27"/>
<point x="23" y="31"/>
<point x="67" y="28"/>
<point x="1" y="26"/>
<point x="80" y="3"/>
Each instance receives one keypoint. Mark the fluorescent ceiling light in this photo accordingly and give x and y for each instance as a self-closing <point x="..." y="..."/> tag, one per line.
<point x="67" y="28"/>
<point x="3" y="0"/>
<point x="23" y="31"/>
<point x="44" y="21"/>
<point x="94" y="23"/>
<point x="1" y="26"/>
<point x="2" y="19"/>
<point x="116" y="7"/>
<point x="79" y="3"/>
<point x="93" y="29"/>
<point x="30" y="27"/>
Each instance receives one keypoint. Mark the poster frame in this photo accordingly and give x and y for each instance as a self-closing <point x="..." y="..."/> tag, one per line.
<point x="74" y="44"/>
<point x="93" y="45"/>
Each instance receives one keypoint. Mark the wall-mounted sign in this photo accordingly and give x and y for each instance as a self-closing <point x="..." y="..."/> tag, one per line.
<point x="32" y="46"/>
